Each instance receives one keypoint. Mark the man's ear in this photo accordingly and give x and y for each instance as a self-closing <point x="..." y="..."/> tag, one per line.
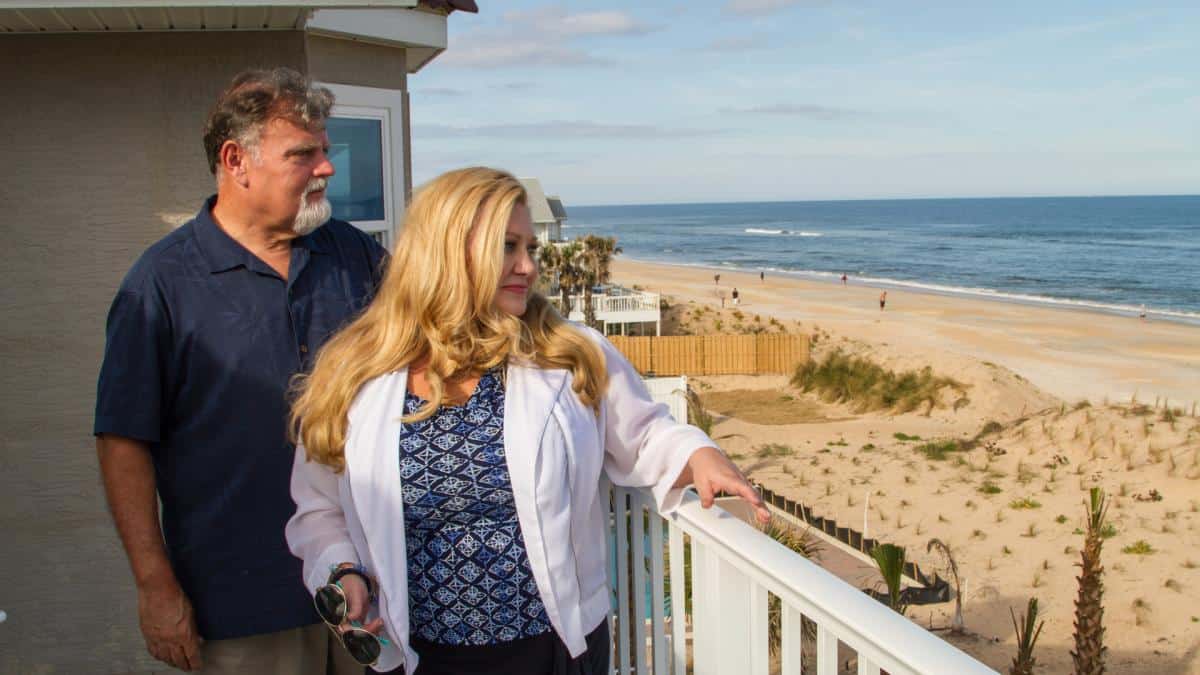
<point x="232" y="160"/>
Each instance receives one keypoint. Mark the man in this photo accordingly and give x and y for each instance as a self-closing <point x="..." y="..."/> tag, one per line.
<point x="202" y="339"/>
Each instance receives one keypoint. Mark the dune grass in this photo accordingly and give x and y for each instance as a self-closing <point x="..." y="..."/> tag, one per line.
<point x="868" y="386"/>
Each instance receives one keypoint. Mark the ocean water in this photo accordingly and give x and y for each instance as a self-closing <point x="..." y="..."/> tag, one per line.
<point x="1109" y="254"/>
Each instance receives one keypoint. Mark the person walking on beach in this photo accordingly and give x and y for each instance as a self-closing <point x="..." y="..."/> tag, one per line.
<point x="1142" y="313"/>
<point x="716" y="278"/>
<point x="736" y="299"/>
<point x="882" y="300"/>
<point x="459" y="461"/>
<point x="202" y="340"/>
<point x="843" y="278"/>
<point x="762" y="276"/>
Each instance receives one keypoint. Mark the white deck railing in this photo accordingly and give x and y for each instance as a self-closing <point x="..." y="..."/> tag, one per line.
<point x="613" y="305"/>
<point x="732" y="570"/>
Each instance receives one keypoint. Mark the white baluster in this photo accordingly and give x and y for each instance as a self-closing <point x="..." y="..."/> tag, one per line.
<point x="621" y="512"/>
<point x="657" y="591"/>
<point x="827" y="652"/>
<point x="678" y="600"/>
<point x="638" y="542"/>
<point x="791" y="640"/>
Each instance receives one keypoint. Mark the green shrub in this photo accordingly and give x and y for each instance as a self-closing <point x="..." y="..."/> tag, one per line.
<point x="1025" y="503"/>
<point x="903" y="437"/>
<point x="939" y="450"/>
<point x="866" y="385"/>
<point x="990" y="488"/>
<point x="1139" y="547"/>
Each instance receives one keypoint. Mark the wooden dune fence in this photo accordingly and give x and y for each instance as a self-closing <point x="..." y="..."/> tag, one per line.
<point x="714" y="354"/>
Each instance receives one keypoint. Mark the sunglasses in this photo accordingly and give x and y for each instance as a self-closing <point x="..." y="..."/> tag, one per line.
<point x="363" y="646"/>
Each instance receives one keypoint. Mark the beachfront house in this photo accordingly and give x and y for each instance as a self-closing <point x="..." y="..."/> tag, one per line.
<point x="104" y="101"/>
<point x="104" y="105"/>
<point x="547" y="222"/>
<point x="621" y="311"/>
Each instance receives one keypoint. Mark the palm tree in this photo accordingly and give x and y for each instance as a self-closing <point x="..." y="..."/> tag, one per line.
<point x="594" y="260"/>
<point x="956" y="625"/>
<point x="1027" y="636"/>
<point x="890" y="560"/>
<point x="562" y="265"/>
<point x="1089" y="651"/>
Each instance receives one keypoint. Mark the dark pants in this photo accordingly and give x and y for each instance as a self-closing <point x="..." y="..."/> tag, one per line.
<point x="542" y="655"/>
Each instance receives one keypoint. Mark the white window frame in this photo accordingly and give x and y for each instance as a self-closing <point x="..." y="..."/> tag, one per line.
<point x="387" y="106"/>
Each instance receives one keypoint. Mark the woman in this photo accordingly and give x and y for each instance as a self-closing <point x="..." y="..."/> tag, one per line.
<point x="450" y="444"/>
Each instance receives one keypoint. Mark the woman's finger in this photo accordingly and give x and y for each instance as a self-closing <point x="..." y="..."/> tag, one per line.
<point x="375" y="626"/>
<point x="705" y="490"/>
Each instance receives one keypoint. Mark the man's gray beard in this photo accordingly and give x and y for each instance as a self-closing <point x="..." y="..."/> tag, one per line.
<point x="311" y="216"/>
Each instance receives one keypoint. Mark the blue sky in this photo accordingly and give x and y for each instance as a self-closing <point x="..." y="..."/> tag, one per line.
<point x="743" y="100"/>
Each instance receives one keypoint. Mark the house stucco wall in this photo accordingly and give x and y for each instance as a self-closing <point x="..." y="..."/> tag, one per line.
<point x="358" y="63"/>
<point x="102" y="157"/>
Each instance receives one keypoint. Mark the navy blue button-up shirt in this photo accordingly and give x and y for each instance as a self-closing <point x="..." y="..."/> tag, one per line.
<point x="202" y="340"/>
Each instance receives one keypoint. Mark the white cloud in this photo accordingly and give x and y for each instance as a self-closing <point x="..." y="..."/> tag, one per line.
<point x="517" y="52"/>
<point x="758" y="6"/>
<point x="555" y="21"/>
<point x="807" y="110"/>
<point x="561" y="129"/>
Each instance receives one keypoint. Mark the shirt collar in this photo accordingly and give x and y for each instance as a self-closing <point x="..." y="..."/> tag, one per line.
<point x="223" y="252"/>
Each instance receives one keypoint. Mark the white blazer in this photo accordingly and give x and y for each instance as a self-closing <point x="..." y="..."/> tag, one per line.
<point x="555" y="449"/>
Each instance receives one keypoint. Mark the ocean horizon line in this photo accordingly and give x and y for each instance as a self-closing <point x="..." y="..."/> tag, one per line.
<point x="880" y="199"/>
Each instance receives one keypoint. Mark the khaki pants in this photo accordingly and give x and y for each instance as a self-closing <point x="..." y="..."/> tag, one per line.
<point x="309" y="650"/>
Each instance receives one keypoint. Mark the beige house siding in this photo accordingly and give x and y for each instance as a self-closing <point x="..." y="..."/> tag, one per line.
<point x="357" y="63"/>
<point x="102" y="157"/>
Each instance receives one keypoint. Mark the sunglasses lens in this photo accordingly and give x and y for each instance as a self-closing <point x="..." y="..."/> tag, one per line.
<point x="331" y="605"/>
<point x="363" y="646"/>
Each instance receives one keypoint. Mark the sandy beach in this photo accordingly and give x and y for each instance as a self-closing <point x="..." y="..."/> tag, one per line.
<point x="1075" y="398"/>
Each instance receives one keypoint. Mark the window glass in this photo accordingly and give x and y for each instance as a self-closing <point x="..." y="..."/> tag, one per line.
<point x="356" y="150"/>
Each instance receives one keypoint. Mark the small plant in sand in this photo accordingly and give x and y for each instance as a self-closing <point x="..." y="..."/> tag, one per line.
<point x="1141" y="611"/>
<point x="1031" y="531"/>
<point x="1089" y="652"/>
<point x="1028" y="629"/>
<point x="769" y="450"/>
<point x="1025" y="503"/>
<point x="940" y="450"/>
<point x="889" y="558"/>
<point x="1173" y="585"/>
<point x="990" y="488"/>
<point x="1139" y="547"/>
<point x="957" y="625"/>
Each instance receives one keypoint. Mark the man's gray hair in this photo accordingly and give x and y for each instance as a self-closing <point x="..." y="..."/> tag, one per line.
<point x="256" y="97"/>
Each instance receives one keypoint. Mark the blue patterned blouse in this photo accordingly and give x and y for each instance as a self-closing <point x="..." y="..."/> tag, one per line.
<point x="469" y="580"/>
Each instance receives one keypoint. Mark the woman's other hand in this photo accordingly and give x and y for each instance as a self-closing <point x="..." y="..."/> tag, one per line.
<point x="357" y="600"/>
<point x="711" y="472"/>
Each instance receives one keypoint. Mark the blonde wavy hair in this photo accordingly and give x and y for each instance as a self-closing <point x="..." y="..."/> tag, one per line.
<point x="436" y="304"/>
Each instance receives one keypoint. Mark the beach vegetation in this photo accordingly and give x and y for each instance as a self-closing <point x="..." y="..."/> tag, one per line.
<point x="1060" y="519"/>
<point x="978" y="534"/>
<point x="769" y="450"/>
<point x="1031" y="531"/>
<point x="990" y="488"/>
<point x="764" y="406"/>
<point x="889" y="558"/>
<point x="1006" y="550"/>
<point x="957" y="625"/>
<point x="1139" y="547"/>
<point x="1027" y="628"/>
<point x="940" y="450"/>
<point x="1024" y="503"/>
<point x="1141" y="611"/>
<point x="866" y="385"/>
<point x="1089" y="652"/>
<point x="904" y="438"/>
<point x="1081" y="404"/>
<point x="869" y="447"/>
<point x="991" y="427"/>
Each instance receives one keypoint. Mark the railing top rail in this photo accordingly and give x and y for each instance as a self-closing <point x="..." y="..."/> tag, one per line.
<point x="856" y="618"/>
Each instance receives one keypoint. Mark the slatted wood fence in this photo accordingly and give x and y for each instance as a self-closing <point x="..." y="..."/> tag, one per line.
<point x="714" y="354"/>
